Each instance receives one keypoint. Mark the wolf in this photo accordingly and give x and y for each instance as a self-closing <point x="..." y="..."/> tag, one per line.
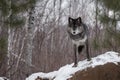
<point x="78" y="33"/>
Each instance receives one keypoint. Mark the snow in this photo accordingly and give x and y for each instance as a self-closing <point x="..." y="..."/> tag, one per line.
<point x="118" y="25"/>
<point x="3" y="78"/>
<point x="68" y="70"/>
<point x="110" y="14"/>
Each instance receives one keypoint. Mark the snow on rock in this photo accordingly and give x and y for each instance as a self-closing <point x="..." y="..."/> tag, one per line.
<point x="3" y="78"/>
<point x="67" y="71"/>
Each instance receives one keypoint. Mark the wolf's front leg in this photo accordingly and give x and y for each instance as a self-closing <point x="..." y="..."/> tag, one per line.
<point x="87" y="51"/>
<point x="75" y="55"/>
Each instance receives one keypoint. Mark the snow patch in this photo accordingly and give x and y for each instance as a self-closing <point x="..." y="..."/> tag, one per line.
<point x="68" y="70"/>
<point x="110" y="14"/>
<point x="3" y="78"/>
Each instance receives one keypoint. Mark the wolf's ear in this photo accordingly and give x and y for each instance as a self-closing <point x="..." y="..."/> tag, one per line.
<point x="69" y="20"/>
<point x="79" y="20"/>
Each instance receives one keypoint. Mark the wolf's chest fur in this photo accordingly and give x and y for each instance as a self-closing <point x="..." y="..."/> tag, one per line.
<point x="80" y="41"/>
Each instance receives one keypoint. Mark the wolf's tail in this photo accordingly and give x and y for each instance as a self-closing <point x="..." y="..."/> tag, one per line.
<point x="80" y="48"/>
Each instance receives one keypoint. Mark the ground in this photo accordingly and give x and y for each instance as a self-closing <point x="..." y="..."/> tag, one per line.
<point x="103" y="67"/>
<point x="109" y="71"/>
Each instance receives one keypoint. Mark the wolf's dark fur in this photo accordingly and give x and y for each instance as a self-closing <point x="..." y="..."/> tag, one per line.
<point x="78" y="33"/>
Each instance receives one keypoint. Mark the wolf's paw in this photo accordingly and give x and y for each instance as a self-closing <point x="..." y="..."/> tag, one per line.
<point x="89" y="59"/>
<point x="75" y="65"/>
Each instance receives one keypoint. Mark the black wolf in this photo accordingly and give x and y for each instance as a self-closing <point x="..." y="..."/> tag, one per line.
<point x="78" y="33"/>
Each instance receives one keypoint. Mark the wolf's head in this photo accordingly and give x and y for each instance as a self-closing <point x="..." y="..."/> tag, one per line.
<point x="75" y="25"/>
